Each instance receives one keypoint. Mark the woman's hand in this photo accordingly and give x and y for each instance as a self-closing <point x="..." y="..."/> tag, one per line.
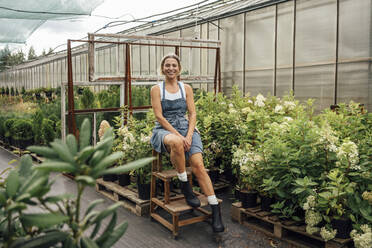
<point x="187" y="142"/>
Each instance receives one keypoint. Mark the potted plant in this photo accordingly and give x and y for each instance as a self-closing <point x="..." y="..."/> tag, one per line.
<point x="246" y="164"/>
<point x="22" y="133"/>
<point x="133" y="139"/>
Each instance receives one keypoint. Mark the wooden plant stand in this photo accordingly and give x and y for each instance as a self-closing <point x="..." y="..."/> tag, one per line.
<point x="174" y="205"/>
<point x="287" y="231"/>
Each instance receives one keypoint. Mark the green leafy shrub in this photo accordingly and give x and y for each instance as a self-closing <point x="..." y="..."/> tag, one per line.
<point x="47" y="131"/>
<point x="7" y="91"/>
<point x="87" y="99"/>
<point x="22" y="129"/>
<point x="12" y="92"/>
<point x="37" y="120"/>
<point x="61" y="223"/>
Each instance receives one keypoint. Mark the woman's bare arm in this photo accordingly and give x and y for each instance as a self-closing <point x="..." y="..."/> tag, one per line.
<point x="191" y="112"/>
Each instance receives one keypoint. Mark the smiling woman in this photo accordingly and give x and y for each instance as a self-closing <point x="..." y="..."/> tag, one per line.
<point x="177" y="135"/>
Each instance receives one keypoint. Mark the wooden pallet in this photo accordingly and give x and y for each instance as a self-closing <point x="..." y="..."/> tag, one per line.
<point x="221" y="185"/>
<point x="287" y="231"/>
<point x="127" y="196"/>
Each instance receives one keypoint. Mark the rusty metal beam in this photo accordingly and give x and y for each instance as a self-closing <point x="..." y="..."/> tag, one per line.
<point x="70" y="93"/>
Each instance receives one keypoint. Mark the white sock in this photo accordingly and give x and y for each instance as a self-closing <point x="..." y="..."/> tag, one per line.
<point x="182" y="176"/>
<point x="212" y="200"/>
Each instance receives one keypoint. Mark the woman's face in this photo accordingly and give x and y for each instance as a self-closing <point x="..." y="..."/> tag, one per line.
<point x="171" y="68"/>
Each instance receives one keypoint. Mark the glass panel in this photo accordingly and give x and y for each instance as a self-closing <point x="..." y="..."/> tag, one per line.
<point x="135" y="60"/>
<point x="191" y="56"/>
<point x="106" y="52"/>
<point x="285" y="34"/>
<point x="354" y="83"/>
<point x="259" y="81"/>
<point x="145" y="57"/>
<point x="232" y="38"/>
<point x="315" y="31"/>
<point x="259" y="51"/>
<point x="355" y="29"/>
<point x="283" y="81"/>
<point x="316" y="82"/>
<point x="213" y="34"/>
<point x="122" y="60"/>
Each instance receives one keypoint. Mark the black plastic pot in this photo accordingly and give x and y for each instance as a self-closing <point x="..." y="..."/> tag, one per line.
<point x="109" y="178"/>
<point x="214" y="175"/>
<point x="23" y="144"/>
<point x="248" y="199"/>
<point x="266" y="202"/>
<point x="124" y="179"/>
<point x="143" y="191"/>
<point x="229" y="175"/>
<point x="343" y="227"/>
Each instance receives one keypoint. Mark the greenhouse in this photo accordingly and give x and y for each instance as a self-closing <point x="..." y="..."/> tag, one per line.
<point x="276" y="151"/>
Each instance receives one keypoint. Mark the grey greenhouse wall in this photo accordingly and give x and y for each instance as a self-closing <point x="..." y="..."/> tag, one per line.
<point x="319" y="49"/>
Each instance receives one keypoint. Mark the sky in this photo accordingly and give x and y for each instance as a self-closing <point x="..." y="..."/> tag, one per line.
<point x="54" y="33"/>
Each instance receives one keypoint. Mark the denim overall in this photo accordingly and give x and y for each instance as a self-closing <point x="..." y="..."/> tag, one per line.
<point x="174" y="112"/>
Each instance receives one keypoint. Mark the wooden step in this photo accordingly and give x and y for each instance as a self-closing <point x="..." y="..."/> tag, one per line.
<point x="169" y="174"/>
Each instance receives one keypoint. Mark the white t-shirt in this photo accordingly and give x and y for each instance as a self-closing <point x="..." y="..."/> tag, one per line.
<point x="172" y="96"/>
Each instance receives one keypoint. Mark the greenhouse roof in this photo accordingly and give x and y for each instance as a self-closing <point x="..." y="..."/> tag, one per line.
<point x="206" y="11"/>
<point x="19" y="19"/>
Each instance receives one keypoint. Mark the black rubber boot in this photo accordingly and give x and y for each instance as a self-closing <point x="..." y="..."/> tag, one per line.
<point x="217" y="224"/>
<point x="190" y="197"/>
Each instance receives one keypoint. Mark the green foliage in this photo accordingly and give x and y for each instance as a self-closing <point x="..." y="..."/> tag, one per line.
<point x="61" y="223"/>
<point x="22" y="130"/>
<point x="133" y="140"/>
<point x="87" y="99"/>
<point x="8" y="58"/>
<point x="47" y="131"/>
<point x="12" y="93"/>
<point x="31" y="54"/>
<point x="37" y="120"/>
<point x="7" y="91"/>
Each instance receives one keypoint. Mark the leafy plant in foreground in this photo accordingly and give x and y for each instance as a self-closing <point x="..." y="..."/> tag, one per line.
<point x="61" y="224"/>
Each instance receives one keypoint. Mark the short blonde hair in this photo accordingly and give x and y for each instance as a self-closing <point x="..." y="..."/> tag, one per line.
<point x="170" y="56"/>
<point x="102" y="128"/>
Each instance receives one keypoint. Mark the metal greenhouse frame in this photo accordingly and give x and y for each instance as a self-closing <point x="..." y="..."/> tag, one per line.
<point x="128" y="80"/>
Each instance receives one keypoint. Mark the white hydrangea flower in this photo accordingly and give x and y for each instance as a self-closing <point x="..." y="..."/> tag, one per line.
<point x="288" y="119"/>
<point x="310" y="203"/>
<point x="278" y="109"/>
<point x="328" y="137"/>
<point x="145" y="139"/>
<point x="260" y="101"/>
<point x="312" y="218"/>
<point x="249" y="101"/>
<point x="246" y="110"/>
<point x="232" y="111"/>
<point x="328" y="234"/>
<point x="348" y="153"/>
<point x="231" y="105"/>
<point x="289" y="105"/>
<point x="312" y="229"/>
<point x="363" y="240"/>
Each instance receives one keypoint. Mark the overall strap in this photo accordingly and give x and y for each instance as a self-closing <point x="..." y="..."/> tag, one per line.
<point x="179" y="86"/>
<point x="163" y="97"/>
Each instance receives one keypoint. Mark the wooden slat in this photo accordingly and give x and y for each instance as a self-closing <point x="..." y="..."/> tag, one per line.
<point x="181" y="205"/>
<point x="170" y="173"/>
<point x="123" y="191"/>
<point x="193" y="220"/>
<point x="162" y="221"/>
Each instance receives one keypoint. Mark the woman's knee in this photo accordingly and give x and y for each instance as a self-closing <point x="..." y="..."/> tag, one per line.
<point x="175" y="143"/>
<point x="198" y="169"/>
